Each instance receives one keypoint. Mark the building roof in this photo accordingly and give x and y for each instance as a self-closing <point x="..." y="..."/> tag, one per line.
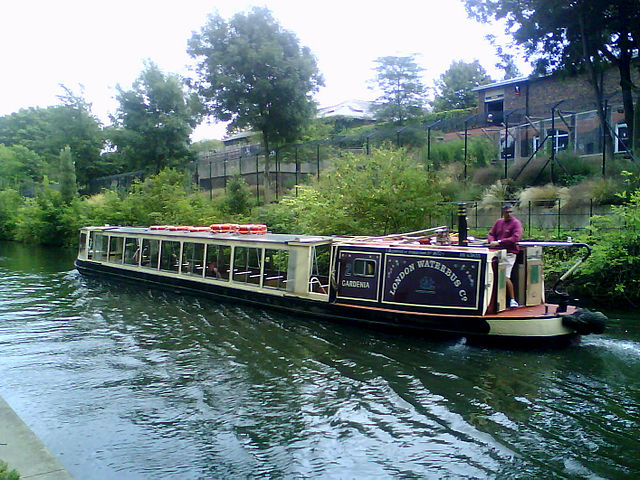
<point x="360" y="109"/>
<point x="502" y="83"/>
<point x="239" y="136"/>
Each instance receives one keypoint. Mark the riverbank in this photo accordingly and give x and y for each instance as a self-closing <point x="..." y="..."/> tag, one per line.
<point x="23" y="451"/>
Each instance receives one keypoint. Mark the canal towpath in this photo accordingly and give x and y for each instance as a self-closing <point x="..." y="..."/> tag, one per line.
<point x="23" y="451"/>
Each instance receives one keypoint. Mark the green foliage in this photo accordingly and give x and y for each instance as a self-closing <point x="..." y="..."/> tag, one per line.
<point x="454" y="88"/>
<point x="10" y="201"/>
<point x="45" y="131"/>
<point x="20" y="167"/>
<point x="153" y="123"/>
<point x="164" y="198"/>
<point x="238" y="199"/>
<point x="47" y="219"/>
<point x="480" y="152"/>
<point x="68" y="187"/>
<point x="610" y="276"/>
<point x="381" y="193"/>
<point x="403" y="93"/>
<point x="6" y="474"/>
<point x="254" y="73"/>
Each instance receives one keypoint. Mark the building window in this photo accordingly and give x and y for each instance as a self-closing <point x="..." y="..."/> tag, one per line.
<point x="621" y="138"/>
<point x="561" y="140"/>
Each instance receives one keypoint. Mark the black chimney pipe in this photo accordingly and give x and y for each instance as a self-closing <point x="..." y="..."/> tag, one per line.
<point x="462" y="224"/>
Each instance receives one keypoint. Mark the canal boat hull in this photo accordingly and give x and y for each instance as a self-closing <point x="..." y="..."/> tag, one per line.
<point x="523" y="326"/>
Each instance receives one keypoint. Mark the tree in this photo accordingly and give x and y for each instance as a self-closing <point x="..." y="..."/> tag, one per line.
<point x="254" y="73"/>
<point x="385" y="192"/>
<point x="454" y="88"/>
<point x="45" y="131"/>
<point x="403" y="94"/>
<point x="575" y="35"/>
<point x="68" y="187"/>
<point x="19" y="166"/>
<point x="155" y="118"/>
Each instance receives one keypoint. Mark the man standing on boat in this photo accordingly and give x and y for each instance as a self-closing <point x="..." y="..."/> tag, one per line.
<point x="506" y="233"/>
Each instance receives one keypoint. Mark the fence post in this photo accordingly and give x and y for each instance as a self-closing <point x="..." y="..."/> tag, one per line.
<point x="224" y="172"/>
<point x="210" y="183"/>
<point x="277" y="170"/>
<point x="297" y="170"/>
<point x="318" y="160"/>
<point x="476" y="209"/>
<point x="529" y="222"/>
<point x="559" y="216"/>
<point x="257" y="181"/>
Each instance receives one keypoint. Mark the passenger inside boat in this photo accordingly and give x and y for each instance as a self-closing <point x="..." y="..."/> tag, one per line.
<point x="212" y="268"/>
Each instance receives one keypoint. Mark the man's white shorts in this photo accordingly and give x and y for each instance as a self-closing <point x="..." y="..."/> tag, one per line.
<point x="511" y="261"/>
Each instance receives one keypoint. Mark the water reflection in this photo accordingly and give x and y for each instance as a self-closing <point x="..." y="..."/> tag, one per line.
<point x="121" y="381"/>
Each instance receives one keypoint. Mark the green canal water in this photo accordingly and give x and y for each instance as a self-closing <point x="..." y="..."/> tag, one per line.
<point x="123" y="382"/>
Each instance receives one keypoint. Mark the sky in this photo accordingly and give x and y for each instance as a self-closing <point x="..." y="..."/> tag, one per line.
<point x="91" y="46"/>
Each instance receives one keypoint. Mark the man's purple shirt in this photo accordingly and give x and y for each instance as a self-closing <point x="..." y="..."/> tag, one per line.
<point x="507" y="232"/>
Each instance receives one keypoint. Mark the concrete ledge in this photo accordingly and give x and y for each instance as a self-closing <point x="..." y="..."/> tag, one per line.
<point x="22" y="450"/>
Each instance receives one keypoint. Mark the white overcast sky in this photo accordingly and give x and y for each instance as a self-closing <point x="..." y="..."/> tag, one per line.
<point x="99" y="44"/>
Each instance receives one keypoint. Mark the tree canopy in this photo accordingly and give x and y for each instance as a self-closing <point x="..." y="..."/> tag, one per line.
<point x="574" y="35"/>
<point x="254" y="73"/>
<point x="403" y="93"/>
<point x="46" y="131"/>
<point x="454" y="87"/>
<point x="155" y="118"/>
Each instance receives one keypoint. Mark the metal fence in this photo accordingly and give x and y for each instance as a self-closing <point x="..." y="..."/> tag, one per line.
<point x="552" y="214"/>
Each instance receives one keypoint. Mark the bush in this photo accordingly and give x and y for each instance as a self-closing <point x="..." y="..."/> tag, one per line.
<point x="381" y="193"/>
<point x="10" y="201"/>
<point x="611" y="274"/>
<point x="6" y="474"/>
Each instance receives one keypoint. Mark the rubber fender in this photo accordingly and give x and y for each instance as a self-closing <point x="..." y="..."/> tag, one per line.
<point x="584" y="321"/>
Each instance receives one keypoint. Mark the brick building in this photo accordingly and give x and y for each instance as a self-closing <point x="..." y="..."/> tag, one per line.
<point x="522" y="107"/>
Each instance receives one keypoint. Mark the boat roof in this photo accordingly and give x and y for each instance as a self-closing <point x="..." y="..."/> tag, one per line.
<point x="394" y="241"/>
<point x="185" y="234"/>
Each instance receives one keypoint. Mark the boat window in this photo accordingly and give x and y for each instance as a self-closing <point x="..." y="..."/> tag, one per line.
<point x="115" y="249"/>
<point x="246" y="265"/>
<point x="82" y="244"/>
<point x="100" y="244"/>
<point x="150" y="251"/>
<point x="276" y="264"/>
<point x="218" y="262"/>
<point x="364" y="268"/>
<point x="192" y="258"/>
<point x="319" y="271"/>
<point x="131" y="251"/>
<point x="169" y="256"/>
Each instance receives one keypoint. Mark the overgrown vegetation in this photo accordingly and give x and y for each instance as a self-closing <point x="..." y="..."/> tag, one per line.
<point x="389" y="190"/>
<point x="6" y="474"/>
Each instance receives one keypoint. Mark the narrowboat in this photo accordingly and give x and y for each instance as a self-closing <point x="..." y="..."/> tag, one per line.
<point x="425" y="281"/>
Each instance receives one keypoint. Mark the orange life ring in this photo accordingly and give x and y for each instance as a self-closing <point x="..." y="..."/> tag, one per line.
<point x="253" y="228"/>
<point x="224" y="227"/>
<point x="199" y="229"/>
